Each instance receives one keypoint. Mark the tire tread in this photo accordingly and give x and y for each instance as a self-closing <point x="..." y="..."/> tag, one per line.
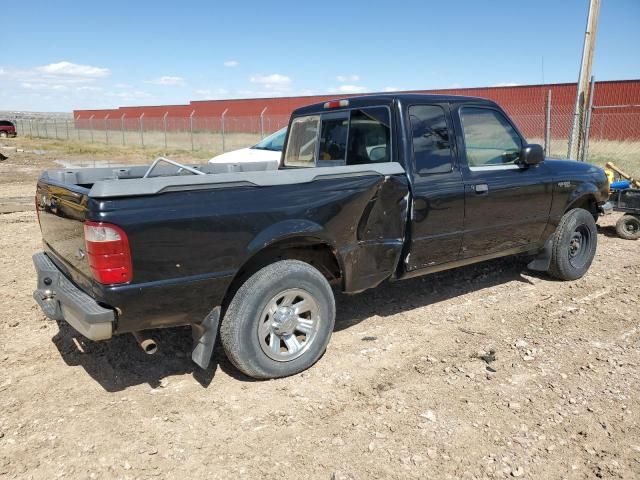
<point x="233" y="328"/>
<point x="559" y="266"/>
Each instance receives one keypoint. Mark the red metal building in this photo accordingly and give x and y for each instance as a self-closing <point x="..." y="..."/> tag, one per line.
<point x="525" y="103"/>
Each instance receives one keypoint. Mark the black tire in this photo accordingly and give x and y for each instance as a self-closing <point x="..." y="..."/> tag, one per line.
<point x="573" y="245"/>
<point x="3" y="134"/>
<point x="628" y="227"/>
<point x="245" y="315"/>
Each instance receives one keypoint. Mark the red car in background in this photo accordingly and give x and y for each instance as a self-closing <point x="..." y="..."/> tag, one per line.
<point x="7" y="129"/>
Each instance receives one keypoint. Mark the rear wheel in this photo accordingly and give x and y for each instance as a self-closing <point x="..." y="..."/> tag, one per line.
<point x="3" y="134"/>
<point x="628" y="227"/>
<point x="280" y="320"/>
<point x="573" y="245"/>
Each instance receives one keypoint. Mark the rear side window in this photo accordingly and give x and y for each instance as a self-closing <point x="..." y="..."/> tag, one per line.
<point x="302" y="143"/>
<point x="430" y="139"/>
<point x="489" y="138"/>
<point x="350" y="137"/>
<point x="369" y="136"/>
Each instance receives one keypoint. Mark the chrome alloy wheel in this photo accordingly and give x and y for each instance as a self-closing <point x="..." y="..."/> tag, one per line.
<point x="289" y="324"/>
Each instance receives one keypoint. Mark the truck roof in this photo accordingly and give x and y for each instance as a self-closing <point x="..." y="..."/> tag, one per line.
<point x="388" y="98"/>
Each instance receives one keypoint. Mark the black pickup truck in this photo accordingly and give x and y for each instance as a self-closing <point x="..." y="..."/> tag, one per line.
<point x="370" y="189"/>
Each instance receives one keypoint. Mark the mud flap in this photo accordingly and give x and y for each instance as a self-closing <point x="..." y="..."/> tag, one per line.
<point x="204" y="338"/>
<point x="543" y="261"/>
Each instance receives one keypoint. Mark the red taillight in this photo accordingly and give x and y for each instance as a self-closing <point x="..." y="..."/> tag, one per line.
<point x="108" y="252"/>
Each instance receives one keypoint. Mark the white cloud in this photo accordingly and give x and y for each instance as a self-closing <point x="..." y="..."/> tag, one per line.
<point x="123" y="85"/>
<point x="506" y="84"/>
<point x="391" y="89"/>
<point x="275" y="83"/>
<point x="231" y="63"/>
<point x="168" y="81"/>
<point x="73" y="70"/>
<point x="349" y="89"/>
<point x="54" y="75"/>
<point x="348" y="78"/>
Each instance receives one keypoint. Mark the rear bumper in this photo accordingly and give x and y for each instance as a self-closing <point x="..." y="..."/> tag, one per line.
<point x="60" y="299"/>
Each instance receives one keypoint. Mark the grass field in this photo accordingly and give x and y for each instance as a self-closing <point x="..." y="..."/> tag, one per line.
<point x="625" y="154"/>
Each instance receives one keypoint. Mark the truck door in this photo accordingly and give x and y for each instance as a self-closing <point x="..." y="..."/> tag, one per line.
<point x="506" y="206"/>
<point x="437" y="212"/>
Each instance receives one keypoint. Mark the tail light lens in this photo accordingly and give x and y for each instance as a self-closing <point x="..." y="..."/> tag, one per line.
<point x="108" y="252"/>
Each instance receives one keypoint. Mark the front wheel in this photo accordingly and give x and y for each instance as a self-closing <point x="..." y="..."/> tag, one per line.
<point x="4" y="134"/>
<point x="280" y="320"/>
<point x="628" y="227"/>
<point x="573" y="245"/>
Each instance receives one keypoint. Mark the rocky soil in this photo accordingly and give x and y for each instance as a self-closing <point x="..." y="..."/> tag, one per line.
<point x="488" y="371"/>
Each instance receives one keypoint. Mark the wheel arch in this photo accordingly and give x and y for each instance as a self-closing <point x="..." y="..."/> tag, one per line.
<point x="585" y="197"/>
<point x="290" y="240"/>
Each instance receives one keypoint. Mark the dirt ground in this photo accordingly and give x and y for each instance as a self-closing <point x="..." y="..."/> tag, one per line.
<point x="408" y="387"/>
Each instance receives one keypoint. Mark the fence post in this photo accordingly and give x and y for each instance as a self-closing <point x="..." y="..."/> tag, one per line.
<point x="122" y="126"/>
<point x="141" y="131"/>
<point x="91" y="126"/>
<point x="77" y="127"/>
<point x="46" y="133"/>
<point x="55" y="126"/>
<point x="587" y="124"/>
<point x="164" y="125"/>
<point x="66" y="125"/>
<point x="547" y="130"/>
<point x="262" y="122"/>
<point x="222" y="126"/>
<point x="191" y="127"/>
<point x="31" y="127"/>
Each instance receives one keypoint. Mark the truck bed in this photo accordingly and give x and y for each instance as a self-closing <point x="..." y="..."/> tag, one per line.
<point x="129" y="181"/>
<point x="190" y="234"/>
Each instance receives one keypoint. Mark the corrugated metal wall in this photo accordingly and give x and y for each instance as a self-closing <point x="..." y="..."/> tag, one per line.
<point x="524" y="102"/>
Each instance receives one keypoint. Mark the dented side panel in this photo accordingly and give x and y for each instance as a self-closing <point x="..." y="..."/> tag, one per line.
<point x="375" y="254"/>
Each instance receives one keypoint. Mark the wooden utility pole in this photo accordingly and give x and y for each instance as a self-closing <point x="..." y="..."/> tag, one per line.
<point x="583" y="79"/>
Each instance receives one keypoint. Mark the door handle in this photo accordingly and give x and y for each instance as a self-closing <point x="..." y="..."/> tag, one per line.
<point x="481" y="189"/>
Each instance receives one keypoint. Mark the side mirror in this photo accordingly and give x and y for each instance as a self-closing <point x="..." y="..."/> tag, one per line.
<point x="531" y="154"/>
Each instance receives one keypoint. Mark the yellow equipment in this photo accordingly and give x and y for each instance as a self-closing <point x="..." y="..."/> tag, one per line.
<point x="610" y="168"/>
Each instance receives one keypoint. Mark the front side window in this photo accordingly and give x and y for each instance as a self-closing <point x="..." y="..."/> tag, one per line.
<point x="489" y="138"/>
<point x="430" y="139"/>
<point x="302" y="144"/>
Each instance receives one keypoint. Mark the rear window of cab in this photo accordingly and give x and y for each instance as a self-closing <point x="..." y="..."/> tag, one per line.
<point x="344" y="137"/>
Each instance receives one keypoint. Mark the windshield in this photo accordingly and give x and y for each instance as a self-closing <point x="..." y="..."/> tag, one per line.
<point x="273" y="142"/>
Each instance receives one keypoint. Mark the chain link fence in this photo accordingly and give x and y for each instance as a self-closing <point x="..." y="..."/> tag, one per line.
<point x="612" y="131"/>
<point x="208" y="134"/>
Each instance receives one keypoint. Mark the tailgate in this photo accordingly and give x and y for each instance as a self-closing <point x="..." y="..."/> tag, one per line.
<point x="62" y="211"/>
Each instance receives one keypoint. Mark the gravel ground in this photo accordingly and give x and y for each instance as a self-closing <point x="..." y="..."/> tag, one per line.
<point x="489" y="371"/>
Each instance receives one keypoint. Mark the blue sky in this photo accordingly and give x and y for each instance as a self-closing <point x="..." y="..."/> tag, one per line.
<point x="61" y="55"/>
